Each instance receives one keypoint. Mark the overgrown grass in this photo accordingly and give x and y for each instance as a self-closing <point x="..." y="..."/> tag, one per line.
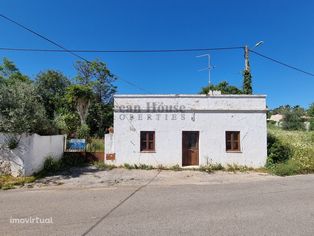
<point x="139" y="166"/>
<point x="95" y="145"/>
<point x="10" y="182"/>
<point x="301" y="160"/>
<point x="211" y="168"/>
<point x="100" y="165"/>
<point x="69" y="159"/>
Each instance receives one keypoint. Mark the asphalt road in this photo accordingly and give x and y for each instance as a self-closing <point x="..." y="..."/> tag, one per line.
<point x="279" y="206"/>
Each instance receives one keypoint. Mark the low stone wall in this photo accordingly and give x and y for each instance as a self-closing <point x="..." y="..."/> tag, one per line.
<point x="29" y="155"/>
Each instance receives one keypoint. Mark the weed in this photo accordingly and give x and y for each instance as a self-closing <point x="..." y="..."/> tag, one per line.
<point x="128" y="166"/>
<point x="175" y="168"/>
<point x="9" y="182"/>
<point x="100" y="165"/>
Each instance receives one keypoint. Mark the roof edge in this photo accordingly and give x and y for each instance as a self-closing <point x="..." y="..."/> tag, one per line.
<point x="187" y="96"/>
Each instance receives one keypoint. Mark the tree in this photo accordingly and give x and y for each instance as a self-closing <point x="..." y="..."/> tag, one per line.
<point x="224" y="87"/>
<point x="310" y="111"/>
<point x="292" y="118"/>
<point x="20" y="109"/>
<point x="51" y="87"/>
<point x="100" y="117"/>
<point x="247" y="82"/>
<point x="9" y="73"/>
<point x="80" y="97"/>
<point x="98" y="76"/>
<point x="100" y="79"/>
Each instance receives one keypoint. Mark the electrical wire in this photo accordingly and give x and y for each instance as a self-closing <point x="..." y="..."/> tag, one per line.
<point x="60" y="46"/>
<point x="121" y="51"/>
<point x="282" y="63"/>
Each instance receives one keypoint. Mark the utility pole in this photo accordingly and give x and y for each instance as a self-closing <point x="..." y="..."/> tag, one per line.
<point x="209" y="67"/>
<point x="246" y="58"/>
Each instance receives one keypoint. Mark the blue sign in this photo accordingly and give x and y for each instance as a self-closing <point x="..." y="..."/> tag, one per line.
<point x="76" y="144"/>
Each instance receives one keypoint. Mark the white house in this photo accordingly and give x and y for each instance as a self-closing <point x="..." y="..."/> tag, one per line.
<point x="188" y="130"/>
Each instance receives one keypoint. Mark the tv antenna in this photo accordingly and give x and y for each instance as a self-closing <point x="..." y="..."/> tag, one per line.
<point x="209" y="66"/>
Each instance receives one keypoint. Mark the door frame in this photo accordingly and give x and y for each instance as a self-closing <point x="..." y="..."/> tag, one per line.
<point x="184" y="149"/>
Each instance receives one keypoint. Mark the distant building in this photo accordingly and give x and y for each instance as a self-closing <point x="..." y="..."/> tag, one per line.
<point x="276" y="118"/>
<point x="188" y="130"/>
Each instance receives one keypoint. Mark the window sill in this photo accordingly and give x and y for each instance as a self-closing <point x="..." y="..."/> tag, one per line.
<point x="148" y="151"/>
<point x="233" y="152"/>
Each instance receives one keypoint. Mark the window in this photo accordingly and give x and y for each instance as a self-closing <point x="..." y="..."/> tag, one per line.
<point x="147" y="141"/>
<point x="232" y="141"/>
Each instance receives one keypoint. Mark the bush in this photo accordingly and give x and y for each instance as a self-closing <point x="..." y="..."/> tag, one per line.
<point x="72" y="159"/>
<point x="293" y="120"/>
<point x="95" y="145"/>
<point x="51" y="165"/>
<point x="277" y="152"/>
<point x="83" y="131"/>
<point x="287" y="168"/>
<point x="13" y="142"/>
<point x="312" y="124"/>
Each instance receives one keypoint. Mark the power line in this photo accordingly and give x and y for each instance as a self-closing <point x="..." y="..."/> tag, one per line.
<point x="121" y="51"/>
<point x="43" y="37"/>
<point x="282" y="63"/>
<point x="60" y="46"/>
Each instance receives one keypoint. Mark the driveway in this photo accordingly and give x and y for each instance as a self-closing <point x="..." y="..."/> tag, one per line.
<point x="139" y="202"/>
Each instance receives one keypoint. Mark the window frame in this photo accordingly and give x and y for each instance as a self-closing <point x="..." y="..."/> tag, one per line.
<point x="147" y="141"/>
<point x="233" y="141"/>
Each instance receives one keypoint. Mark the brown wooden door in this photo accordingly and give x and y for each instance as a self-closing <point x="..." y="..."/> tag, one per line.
<point x="190" y="148"/>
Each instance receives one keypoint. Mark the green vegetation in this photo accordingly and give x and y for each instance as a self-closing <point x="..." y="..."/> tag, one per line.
<point x="100" y="165"/>
<point x="175" y="168"/>
<point x="95" y="145"/>
<point x="53" y="166"/>
<point x="247" y="82"/>
<point x="224" y="87"/>
<point x="9" y="182"/>
<point x="211" y="168"/>
<point x="139" y="167"/>
<point x="54" y="104"/>
<point x="293" y="152"/>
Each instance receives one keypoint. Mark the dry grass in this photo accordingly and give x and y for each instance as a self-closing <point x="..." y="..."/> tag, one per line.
<point x="9" y="182"/>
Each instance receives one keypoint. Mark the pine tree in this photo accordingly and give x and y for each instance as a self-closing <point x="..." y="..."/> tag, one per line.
<point x="247" y="82"/>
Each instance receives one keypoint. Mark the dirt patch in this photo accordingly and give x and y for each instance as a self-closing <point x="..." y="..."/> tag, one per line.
<point x="89" y="177"/>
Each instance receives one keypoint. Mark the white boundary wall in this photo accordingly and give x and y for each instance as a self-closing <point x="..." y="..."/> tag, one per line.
<point x="31" y="152"/>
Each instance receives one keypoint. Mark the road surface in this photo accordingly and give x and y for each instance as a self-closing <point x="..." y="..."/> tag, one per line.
<point x="275" y="206"/>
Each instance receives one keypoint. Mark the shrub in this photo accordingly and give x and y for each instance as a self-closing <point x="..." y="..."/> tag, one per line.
<point x="13" y="142"/>
<point x="293" y="120"/>
<point x="51" y="165"/>
<point x="287" y="168"/>
<point x="83" y="131"/>
<point x="311" y="124"/>
<point x="235" y="167"/>
<point x="71" y="159"/>
<point x="95" y="145"/>
<point x="277" y="152"/>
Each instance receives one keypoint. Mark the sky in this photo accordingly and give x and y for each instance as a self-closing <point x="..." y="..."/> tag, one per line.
<point x="285" y="26"/>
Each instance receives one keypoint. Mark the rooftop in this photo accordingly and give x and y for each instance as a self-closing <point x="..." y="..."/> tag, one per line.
<point x="187" y="96"/>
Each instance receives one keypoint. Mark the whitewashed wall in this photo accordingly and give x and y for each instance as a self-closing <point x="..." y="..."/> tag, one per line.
<point x="31" y="152"/>
<point x="211" y="116"/>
